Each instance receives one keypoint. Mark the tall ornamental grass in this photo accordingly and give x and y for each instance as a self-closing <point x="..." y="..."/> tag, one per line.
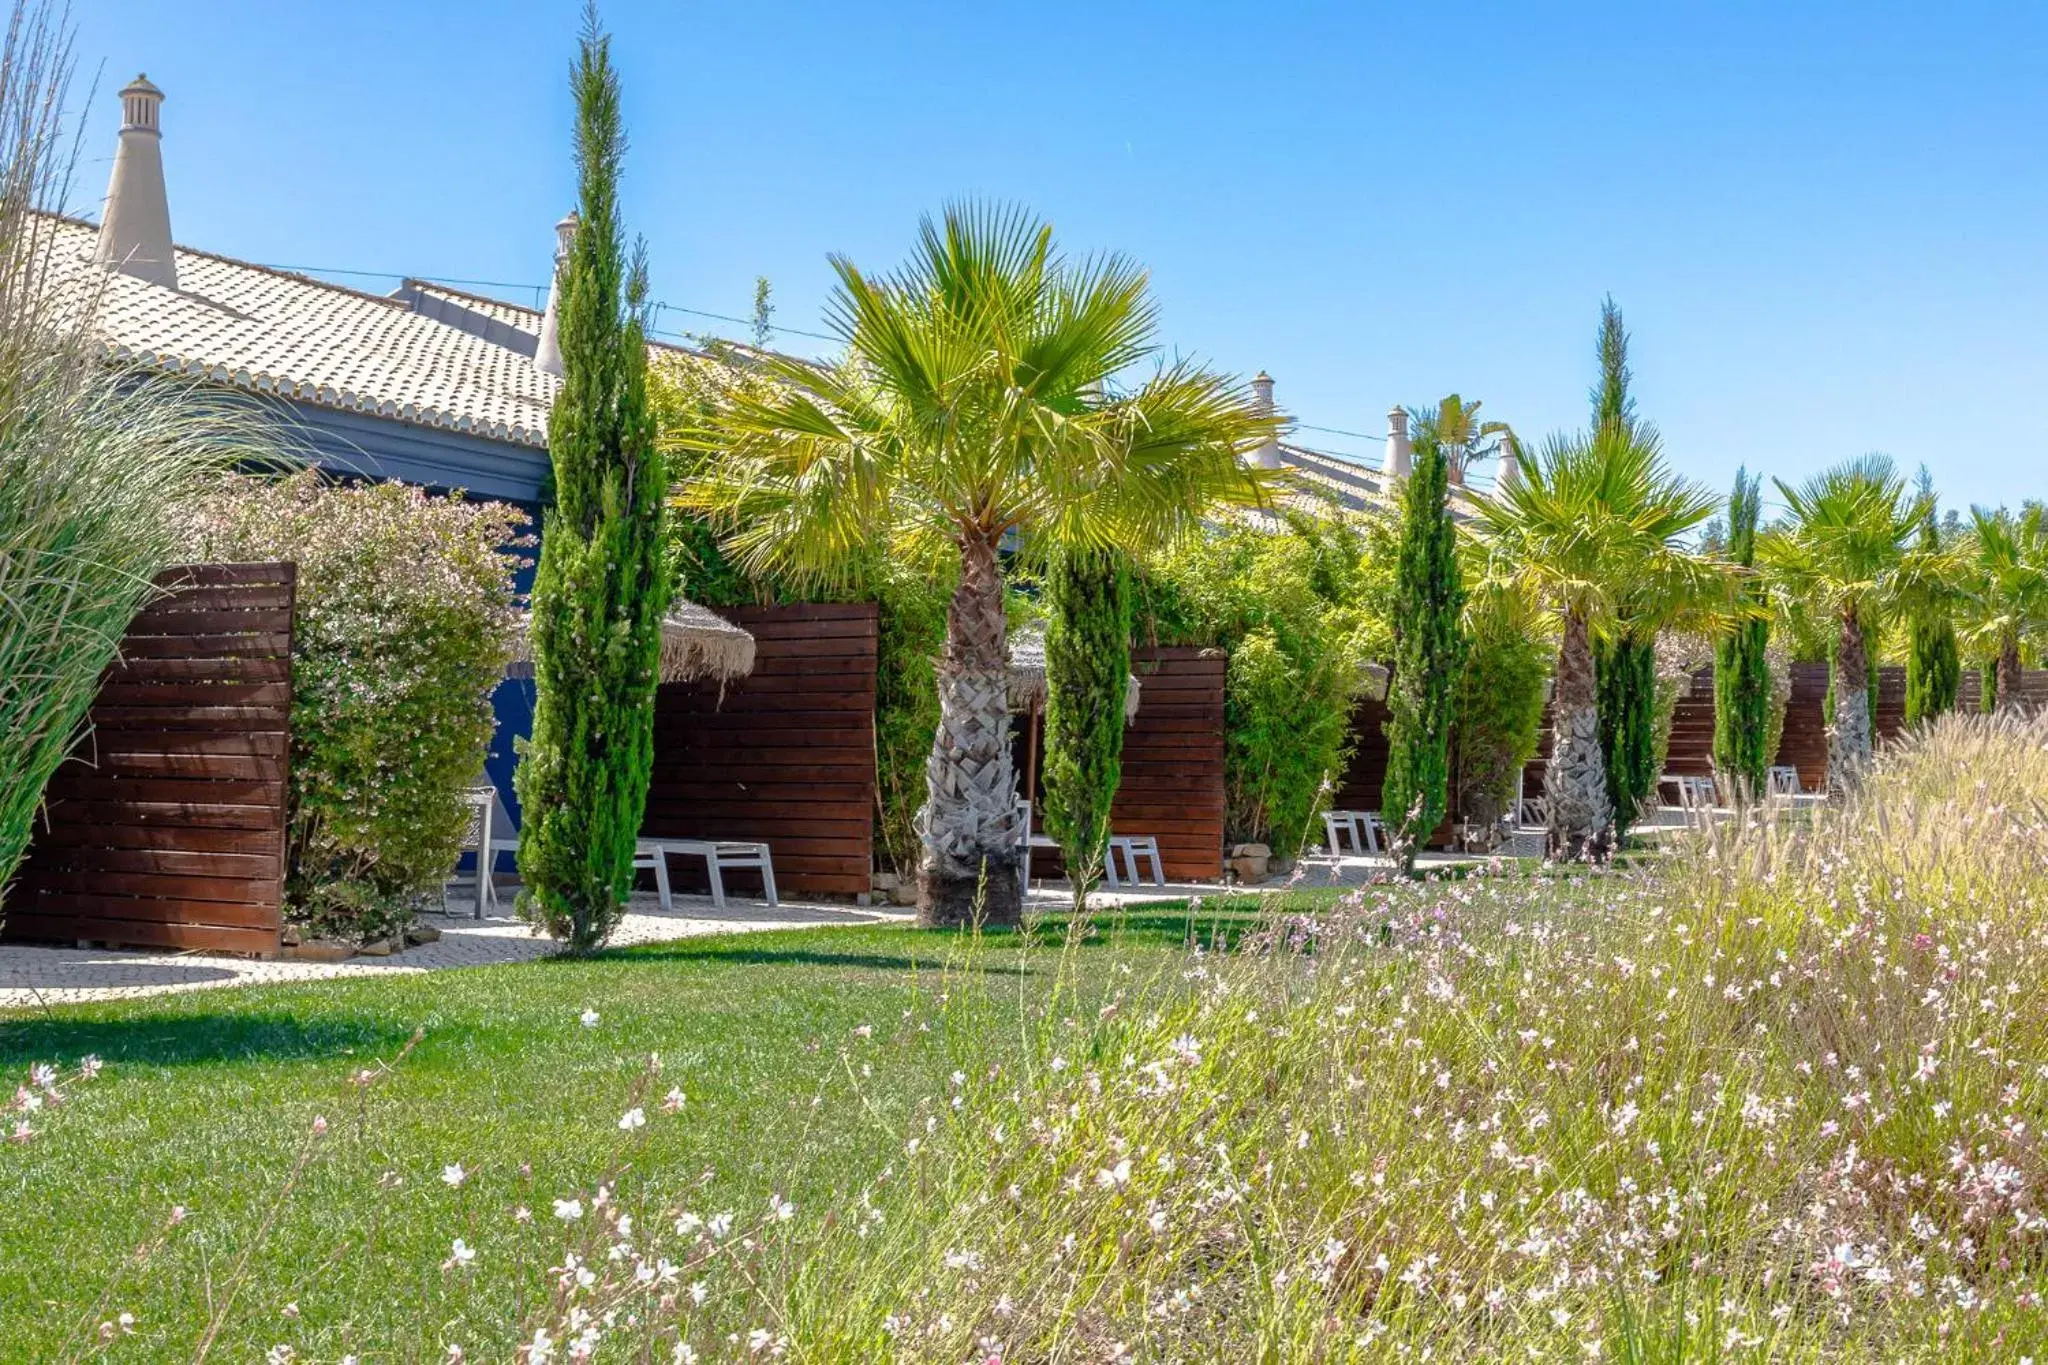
<point x="1778" y="1098"/>
<point x="90" y="456"/>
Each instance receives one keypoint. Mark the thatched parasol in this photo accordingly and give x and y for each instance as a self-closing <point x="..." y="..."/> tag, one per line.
<point x="696" y="642"/>
<point x="1027" y="675"/>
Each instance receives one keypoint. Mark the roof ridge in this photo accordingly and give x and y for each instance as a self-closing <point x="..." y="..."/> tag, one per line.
<point x="422" y="282"/>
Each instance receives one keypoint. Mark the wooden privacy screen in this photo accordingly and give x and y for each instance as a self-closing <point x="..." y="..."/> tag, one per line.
<point x="784" y="756"/>
<point x="166" y="830"/>
<point x="1173" y="760"/>
<point x="1172" y="787"/>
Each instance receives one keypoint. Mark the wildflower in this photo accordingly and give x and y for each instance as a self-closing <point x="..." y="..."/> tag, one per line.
<point x="673" y="1102"/>
<point x="781" y="1208"/>
<point x="588" y="1018"/>
<point x="89" y="1067"/>
<point x="632" y="1119"/>
<point x="1116" y="1176"/>
<point x="462" y="1254"/>
<point x="453" y="1175"/>
<point x="319" y="1125"/>
<point x="568" y="1210"/>
<point x="279" y="1354"/>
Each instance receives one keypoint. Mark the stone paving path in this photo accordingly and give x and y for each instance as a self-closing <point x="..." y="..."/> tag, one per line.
<point x="53" y="976"/>
<point x="64" y="975"/>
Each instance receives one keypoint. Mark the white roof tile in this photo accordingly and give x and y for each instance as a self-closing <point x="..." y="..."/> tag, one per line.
<point x="274" y="332"/>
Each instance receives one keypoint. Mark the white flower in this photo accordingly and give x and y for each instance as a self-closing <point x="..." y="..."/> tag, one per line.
<point x="589" y="1020"/>
<point x="568" y="1210"/>
<point x="462" y="1253"/>
<point x="453" y="1174"/>
<point x="672" y="1103"/>
<point x="631" y="1119"/>
<point x="1120" y="1174"/>
<point x="279" y="1354"/>
<point x="781" y="1208"/>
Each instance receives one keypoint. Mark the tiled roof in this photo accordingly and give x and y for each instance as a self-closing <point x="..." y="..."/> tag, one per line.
<point x="1318" y="482"/>
<point x="270" y="331"/>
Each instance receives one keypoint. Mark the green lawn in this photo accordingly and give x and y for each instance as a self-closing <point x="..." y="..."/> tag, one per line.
<point x="208" y="1098"/>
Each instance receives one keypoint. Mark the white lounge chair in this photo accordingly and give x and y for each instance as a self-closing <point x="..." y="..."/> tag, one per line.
<point x="1135" y="848"/>
<point x="1360" y="828"/>
<point x="720" y="856"/>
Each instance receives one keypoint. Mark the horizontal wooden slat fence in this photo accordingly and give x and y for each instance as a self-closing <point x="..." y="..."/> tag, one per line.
<point x="785" y="755"/>
<point x="167" y="829"/>
<point x="1172" y="787"/>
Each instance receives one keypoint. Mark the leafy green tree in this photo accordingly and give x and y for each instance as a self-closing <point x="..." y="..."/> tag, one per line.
<point x="1429" y="651"/>
<point x="1934" y="667"/>
<point x="1625" y="681"/>
<point x="1742" y="672"/>
<point x="1589" y="519"/>
<point x="1087" y="669"/>
<point x="2007" y="574"/>
<point x="1841" y="551"/>
<point x="972" y="404"/>
<point x="603" y="583"/>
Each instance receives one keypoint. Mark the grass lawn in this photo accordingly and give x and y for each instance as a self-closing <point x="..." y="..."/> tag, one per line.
<point x="208" y="1098"/>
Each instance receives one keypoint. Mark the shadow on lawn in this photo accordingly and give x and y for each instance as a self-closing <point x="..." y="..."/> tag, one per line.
<point x="179" y="1040"/>
<point x="795" y="957"/>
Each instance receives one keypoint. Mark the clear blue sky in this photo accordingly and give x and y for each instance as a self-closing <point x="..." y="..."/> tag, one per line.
<point x="1827" y="224"/>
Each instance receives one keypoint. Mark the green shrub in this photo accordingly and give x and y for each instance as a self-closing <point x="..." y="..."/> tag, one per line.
<point x="403" y="626"/>
<point x="1290" y="607"/>
<point x="1087" y="670"/>
<point x="1499" y="704"/>
<point x="1626" y="675"/>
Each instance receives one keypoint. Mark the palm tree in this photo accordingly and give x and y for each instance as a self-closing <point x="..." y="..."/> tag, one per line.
<point x="2006" y="578"/>
<point x="1454" y="427"/>
<point x="974" y="401"/>
<point x="1592" y="521"/>
<point x="1841" y="551"/>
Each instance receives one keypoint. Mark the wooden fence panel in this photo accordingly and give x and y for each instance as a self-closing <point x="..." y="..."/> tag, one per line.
<point x="785" y="755"/>
<point x="1172" y="787"/>
<point x="166" y="829"/>
<point x="1173" y="760"/>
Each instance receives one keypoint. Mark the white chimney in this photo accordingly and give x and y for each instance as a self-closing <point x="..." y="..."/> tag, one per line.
<point x="1510" y="468"/>
<point x="135" y="228"/>
<point x="547" y="354"/>
<point x="1267" y="455"/>
<point x="1400" y="454"/>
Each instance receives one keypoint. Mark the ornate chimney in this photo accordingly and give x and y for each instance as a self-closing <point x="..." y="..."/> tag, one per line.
<point x="1510" y="472"/>
<point x="547" y="355"/>
<point x="135" y="228"/>
<point x="1400" y="454"/>
<point x="1267" y="455"/>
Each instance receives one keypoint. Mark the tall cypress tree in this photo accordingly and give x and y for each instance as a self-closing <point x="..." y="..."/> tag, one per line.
<point x="1087" y="668"/>
<point x="1742" y="675"/>
<point x="1429" y="652"/>
<point x="1625" y="663"/>
<point x="602" y="585"/>
<point x="1934" y="666"/>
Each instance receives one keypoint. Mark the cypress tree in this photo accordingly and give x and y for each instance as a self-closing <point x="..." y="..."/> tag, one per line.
<point x="602" y="585"/>
<point x="1934" y="667"/>
<point x="1742" y="676"/>
<point x="1625" y="664"/>
<point x="1087" y="668"/>
<point x="1625" y="676"/>
<point x="1429" y="653"/>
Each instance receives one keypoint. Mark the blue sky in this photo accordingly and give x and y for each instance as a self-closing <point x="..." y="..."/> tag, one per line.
<point x="1827" y="224"/>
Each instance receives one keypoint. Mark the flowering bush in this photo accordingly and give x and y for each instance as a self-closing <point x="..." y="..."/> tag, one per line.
<point x="403" y="626"/>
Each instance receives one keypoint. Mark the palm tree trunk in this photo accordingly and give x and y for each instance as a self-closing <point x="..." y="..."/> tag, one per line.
<point x="1849" y="736"/>
<point x="1575" y="779"/>
<point x="969" y="825"/>
<point x="2010" y="697"/>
